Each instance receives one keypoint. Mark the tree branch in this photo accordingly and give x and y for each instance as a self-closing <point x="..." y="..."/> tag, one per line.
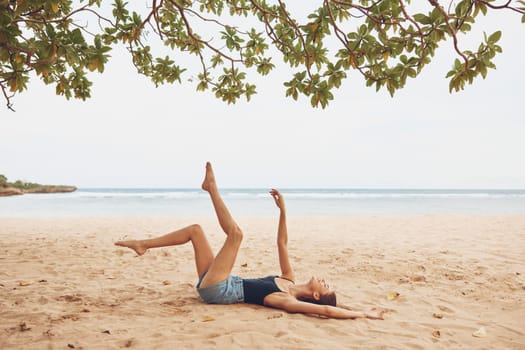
<point x="299" y="35"/>
<point x="419" y="30"/>
<point x="189" y="30"/>
<point x="498" y="7"/>
<point x="453" y="32"/>
<point x="7" y="97"/>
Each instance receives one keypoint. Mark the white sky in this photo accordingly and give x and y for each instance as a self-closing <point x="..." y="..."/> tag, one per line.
<point x="131" y="134"/>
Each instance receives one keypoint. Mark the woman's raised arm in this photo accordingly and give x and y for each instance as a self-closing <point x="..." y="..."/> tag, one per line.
<point x="282" y="238"/>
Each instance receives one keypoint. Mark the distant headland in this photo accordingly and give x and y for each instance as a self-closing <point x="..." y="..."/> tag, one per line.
<point x="20" y="187"/>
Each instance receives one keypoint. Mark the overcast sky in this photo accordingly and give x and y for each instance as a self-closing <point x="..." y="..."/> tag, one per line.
<point x="131" y="134"/>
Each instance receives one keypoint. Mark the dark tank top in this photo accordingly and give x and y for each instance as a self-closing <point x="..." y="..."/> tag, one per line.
<point x="256" y="289"/>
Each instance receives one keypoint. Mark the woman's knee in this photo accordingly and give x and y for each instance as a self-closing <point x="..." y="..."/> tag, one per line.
<point x="196" y="229"/>
<point x="235" y="232"/>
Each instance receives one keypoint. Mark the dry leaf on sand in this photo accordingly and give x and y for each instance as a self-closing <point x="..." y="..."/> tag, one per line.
<point x="392" y="295"/>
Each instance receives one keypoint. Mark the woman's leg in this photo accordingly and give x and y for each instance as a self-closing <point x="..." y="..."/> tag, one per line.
<point x="222" y="266"/>
<point x="194" y="233"/>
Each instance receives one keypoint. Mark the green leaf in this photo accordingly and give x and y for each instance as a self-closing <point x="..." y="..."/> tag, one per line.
<point x="495" y="37"/>
<point x="423" y="19"/>
<point x="76" y="36"/>
<point x="457" y="64"/>
<point x="465" y="27"/>
<point x="50" y="31"/>
<point x="202" y="86"/>
<point x="363" y="30"/>
<point x="451" y="85"/>
<point x="483" y="70"/>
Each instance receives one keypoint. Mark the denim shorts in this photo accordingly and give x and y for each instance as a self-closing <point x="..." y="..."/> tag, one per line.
<point x="229" y="291"/>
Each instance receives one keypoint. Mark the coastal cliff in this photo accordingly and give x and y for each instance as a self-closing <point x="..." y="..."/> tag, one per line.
<point x="20" y="187"/>
<point x="9" y="191"/>
<point x="13" y="191"/>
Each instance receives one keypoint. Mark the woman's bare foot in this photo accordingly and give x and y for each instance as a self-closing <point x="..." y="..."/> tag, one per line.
<point x="137" y="246"/>
<point x="374" y="314"/>
<point x="209" y="179"/>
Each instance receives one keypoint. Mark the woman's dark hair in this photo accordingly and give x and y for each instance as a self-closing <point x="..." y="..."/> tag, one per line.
<point x="324" y="299"/>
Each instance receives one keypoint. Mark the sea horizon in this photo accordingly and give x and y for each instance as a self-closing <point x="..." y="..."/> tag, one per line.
<point x="115" y="201"/>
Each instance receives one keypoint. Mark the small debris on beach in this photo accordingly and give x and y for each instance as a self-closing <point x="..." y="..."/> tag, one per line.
<point x="23" y="327"/>
<point x="417" y="278"/>
<point x="279" y="315"/>
<point x="48" y="333"/>
<point x="480" y="333"/>
<point x="69" y="298"/>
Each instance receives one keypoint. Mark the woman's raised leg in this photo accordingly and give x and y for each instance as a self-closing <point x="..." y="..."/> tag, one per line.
<point x="194" y="233"/>
<point x="222" y="266"/>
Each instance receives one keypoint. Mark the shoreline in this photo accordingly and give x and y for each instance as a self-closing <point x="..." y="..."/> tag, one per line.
<point x="272" y="218"/>
<point x="63" y="282"/>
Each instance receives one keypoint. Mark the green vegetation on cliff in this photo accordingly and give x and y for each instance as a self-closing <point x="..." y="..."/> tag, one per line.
<point x="3" y="181"/>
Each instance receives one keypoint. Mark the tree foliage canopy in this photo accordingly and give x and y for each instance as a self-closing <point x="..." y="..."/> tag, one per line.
<point x="384" y="41"/>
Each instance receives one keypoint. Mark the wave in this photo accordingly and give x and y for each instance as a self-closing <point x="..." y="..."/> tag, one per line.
<point x="134" y="194"/>
<point x="195" y="202"/>
<point x="300" y="194"/>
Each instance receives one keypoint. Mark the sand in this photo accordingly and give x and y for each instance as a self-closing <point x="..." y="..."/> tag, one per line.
<point x="64" y="285"/>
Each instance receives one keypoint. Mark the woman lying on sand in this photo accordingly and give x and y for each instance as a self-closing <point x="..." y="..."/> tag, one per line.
<point x="216" y="284"/>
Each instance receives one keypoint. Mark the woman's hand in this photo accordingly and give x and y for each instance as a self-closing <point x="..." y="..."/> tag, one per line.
<point x="278" y="198"/>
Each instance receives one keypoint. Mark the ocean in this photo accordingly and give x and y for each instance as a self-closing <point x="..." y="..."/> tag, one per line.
<point x="257" y="202"/>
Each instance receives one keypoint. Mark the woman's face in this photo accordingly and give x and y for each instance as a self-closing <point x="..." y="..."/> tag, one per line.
<point x="319" y="285"/>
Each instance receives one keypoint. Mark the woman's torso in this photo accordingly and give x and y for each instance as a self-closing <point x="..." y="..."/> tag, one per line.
<point x="257" y="289"/>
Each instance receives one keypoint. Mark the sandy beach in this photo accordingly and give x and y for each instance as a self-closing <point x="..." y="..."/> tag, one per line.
<point x="446" y="282"/>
